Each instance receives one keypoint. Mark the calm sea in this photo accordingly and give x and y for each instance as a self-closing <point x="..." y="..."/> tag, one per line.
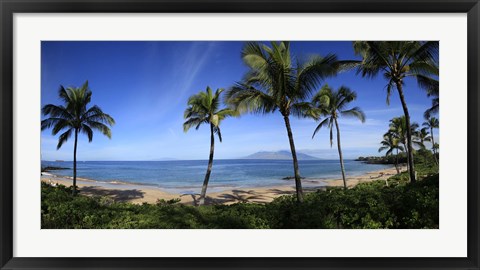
<point x="186" y="176"/>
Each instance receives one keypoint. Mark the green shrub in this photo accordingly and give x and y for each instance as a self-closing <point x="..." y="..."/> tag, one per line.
<point x="367" y="205"/>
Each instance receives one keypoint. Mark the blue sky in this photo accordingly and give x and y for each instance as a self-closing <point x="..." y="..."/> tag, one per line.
<point x="145" y="87"/>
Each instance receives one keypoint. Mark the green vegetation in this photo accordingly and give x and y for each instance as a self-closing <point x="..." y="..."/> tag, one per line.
<point x="276" y="80"/>
<point x="390" y="159"/>
<point x="74" y="117"/>
<point x="331" y="105"/>
<point x="432" y="123"/>
<point x="398" y="60"/>
<point x="391" y="143"/>
<point x="401" y="204"/>
<point x="52" y="168"/>
<point x="203" y="108"/>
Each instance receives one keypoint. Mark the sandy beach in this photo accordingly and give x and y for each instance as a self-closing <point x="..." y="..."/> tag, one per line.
<point x="147" y="194"/>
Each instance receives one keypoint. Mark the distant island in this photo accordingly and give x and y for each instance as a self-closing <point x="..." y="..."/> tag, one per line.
<point x="279" y="155"/>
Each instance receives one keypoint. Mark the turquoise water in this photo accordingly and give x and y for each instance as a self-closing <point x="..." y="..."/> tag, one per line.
<point x="186" y="176"/>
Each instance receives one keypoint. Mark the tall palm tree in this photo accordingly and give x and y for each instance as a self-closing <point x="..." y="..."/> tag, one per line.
<point x="204" y="108"/>
<point x="391" y="143"/>
<point x="432" y="123"/>
<point x="73" y="117"/>
<point x="332" y="104"/>
<point x="398" y="60"/>
<point x="276" y="81"/>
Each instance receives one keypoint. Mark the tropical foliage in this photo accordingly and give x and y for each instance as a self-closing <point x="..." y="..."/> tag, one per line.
<point x="276" y="81"/>
<point x="73" y="117"/>
<point x="398" y="129"/>
<point x="390" y="144"/>
<point x="398" y="60"/>
<point x="204" y="108"/>
<point x="331" y="105"/>
<point x="401" y="205"/>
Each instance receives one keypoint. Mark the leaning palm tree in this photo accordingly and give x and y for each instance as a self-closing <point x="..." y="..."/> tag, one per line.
<point x="432" y="123"/>
<point x="391" y="143"/>
<point x="73" y="117"/>
<point x="204" y="108"/>
<point x="332" y="104"/>
<point x="276" y="81"/>
<point x="398" y="60"/>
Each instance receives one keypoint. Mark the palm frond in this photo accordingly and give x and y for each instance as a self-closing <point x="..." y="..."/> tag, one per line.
<point x="354" y="112"/>
<point x="61" y="125"/>
<point x="57" y="111"/>
<point x="95" y="113"/>
<point x="51" y="122"/>
<point x="193" y="122"/>
<point x="305" y="110"/>
<point x="217" y="131"/>
<point x="103" y="128"/>
<point x="64" y="137"/>
<point x="315" y="71"/>
<point x="245" y="98"/>
<point x="322" y="124"/>
<point x="390" y="86"/>
<point x="85" y="129"/>
<point x="432" y="110"/>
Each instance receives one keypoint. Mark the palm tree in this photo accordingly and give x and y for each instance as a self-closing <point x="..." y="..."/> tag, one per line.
<point x="423" y="136"/>
<point x="275" y="81"/>
<point x="204" y="108"/>
<point x="398" y="128"/>
<point x="398" y="60"/>
<point x="391" y="143"/>
<point x="432" y="123"/>
<point x="331" y="104"/>
<point x="73" y="118"/>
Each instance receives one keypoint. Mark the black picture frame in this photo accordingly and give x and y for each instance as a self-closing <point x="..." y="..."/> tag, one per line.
<point x="9" y="7"/>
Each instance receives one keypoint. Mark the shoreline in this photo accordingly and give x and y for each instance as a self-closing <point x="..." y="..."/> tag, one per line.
<point x="138" y="193"/>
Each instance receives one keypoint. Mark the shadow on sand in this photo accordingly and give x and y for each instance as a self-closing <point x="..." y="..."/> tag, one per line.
<point x="244" y="196"/>
<point x="236" y="196"/>
<point x="118" y="195"/>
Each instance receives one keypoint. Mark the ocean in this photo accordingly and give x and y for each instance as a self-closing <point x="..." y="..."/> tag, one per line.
<point x="186" y="176"/>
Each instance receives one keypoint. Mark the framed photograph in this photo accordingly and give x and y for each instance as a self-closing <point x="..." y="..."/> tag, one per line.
<point x="239" y="134"/>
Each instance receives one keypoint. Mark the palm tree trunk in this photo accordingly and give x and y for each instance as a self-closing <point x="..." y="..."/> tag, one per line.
<point x="411" y="168"/>
<point x="396" y="163"/>
<point x="406" y="154"/>
<point x="298" y="183"/>
<point x="74" y="190"/>
<point x="340" y="154"/>
<point x="433" y="147"/>
<point x="209" y="168"/>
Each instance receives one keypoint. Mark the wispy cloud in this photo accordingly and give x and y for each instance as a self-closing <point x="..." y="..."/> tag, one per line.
<point x="185" y="73"/>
